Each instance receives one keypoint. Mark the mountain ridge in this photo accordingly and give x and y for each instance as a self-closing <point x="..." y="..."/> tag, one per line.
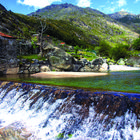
<point x="120" y="14"/>
<point x="92" y="22"/>
<point x="67" y="8"/>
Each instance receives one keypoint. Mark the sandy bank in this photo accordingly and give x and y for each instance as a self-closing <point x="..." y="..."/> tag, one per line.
<point x="67" y="74"/>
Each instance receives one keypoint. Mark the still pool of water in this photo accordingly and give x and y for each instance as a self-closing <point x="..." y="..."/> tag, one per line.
<point x="128" y="81"/>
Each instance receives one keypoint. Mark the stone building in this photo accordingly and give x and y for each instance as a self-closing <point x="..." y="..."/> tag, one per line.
<point x="8" y="53"/>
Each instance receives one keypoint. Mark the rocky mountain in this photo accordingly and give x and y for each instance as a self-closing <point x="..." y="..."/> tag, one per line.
<point x="132" y="21"/>
<point x="119" y="15"/>
<point x="61" y="11"/>
<point x="93" y="23"/>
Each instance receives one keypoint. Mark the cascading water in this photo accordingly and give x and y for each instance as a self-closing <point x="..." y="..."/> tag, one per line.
<point x="36" y="112"/>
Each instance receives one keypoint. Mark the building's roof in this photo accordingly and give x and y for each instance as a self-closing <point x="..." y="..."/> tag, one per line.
<point x="6" y="36"/>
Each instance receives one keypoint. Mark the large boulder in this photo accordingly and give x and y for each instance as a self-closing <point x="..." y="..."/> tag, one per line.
<point x="92" y="66"/>
<point x="133" y="61"/>
<point x="98" y="61"/>
<point x="45" y="68"/>
<point x="58" y="58"/>
<point x="121" y="61"/>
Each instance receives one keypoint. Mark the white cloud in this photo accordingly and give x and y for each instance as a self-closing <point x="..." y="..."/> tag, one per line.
<point x="121" y="3"/>
<point x="137" y="0"/>
<point x="84" y="3"/>
<point x="113" y="6"/>
<point x="37" y="3"/>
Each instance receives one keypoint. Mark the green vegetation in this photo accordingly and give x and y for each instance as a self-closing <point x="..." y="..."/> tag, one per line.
<point x="76" y="49"/>
<point x="136" y="44"/>
<point x="61" y="136"/>
<point x="34" y="40"/>
<point x="120" y="51"/>
<point x="104" y="49"/>
<point x="30" y="57"/>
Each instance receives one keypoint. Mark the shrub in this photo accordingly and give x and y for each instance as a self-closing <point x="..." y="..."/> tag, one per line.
<point x="121" y="51"/>
<point x="136" y="44"/>
<point x="104" y="48"/>
<point x="76" y="49"/>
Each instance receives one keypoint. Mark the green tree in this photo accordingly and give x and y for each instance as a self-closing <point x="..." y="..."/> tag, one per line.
<point x="136" y="44"/>
<point x="120" y="51"/>
<point x="34" y="40"/>
<point x="76" y="49"/>
<point x="104" y="48"/>
<point x="26" y="33"/>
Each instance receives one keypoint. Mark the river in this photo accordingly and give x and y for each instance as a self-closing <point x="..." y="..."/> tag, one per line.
<point x="128" y="81"/>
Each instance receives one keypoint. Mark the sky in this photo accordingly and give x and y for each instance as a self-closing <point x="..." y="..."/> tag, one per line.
<point x="105" y="6"/>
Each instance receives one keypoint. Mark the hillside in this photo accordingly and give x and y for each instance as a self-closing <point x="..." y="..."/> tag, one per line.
<point x="13" y="24"/>
<point x="93" y="23"/>
<point x="85" y="27"/>
<point x="132" y="21"/>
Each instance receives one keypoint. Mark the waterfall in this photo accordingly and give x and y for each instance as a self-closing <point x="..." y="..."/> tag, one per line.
<point x="38" y="112"/>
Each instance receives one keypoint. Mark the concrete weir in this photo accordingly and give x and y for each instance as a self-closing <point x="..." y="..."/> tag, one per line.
<point x="44" y="112"/>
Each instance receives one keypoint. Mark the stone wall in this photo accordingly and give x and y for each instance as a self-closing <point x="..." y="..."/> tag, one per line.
<point x="8" y="53"/>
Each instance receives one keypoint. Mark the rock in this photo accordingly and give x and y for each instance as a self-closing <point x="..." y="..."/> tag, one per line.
<point x="58" y="58"/>
<point x="61" y="62"/>
<point x="98" y="61"/>
<point x="76" y="67"/>
<point x="34" y="68"/>
<point x="88" y="69"/>
<point x="133" y="61"/>
<point x="84" y="60"/>
<point x="45" y="68"/>
<point x="12" y="70"/>
<point x="92" y="66"/>
<point x="25" y="134"/>
<point x="104" y="67"/>
<point x="121" y="62"/>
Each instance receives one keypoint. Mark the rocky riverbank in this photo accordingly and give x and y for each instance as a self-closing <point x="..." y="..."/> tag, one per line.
<point x="52" y="74"/>
<point x="56" y="59"/>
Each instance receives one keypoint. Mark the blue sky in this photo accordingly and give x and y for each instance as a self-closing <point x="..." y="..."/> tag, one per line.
<point x="105" y="6"/>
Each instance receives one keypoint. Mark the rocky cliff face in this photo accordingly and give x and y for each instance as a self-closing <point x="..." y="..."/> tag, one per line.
<point x="8" y="53"/>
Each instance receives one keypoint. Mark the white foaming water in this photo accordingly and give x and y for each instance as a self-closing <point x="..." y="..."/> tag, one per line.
<point x="46" y="120"/>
